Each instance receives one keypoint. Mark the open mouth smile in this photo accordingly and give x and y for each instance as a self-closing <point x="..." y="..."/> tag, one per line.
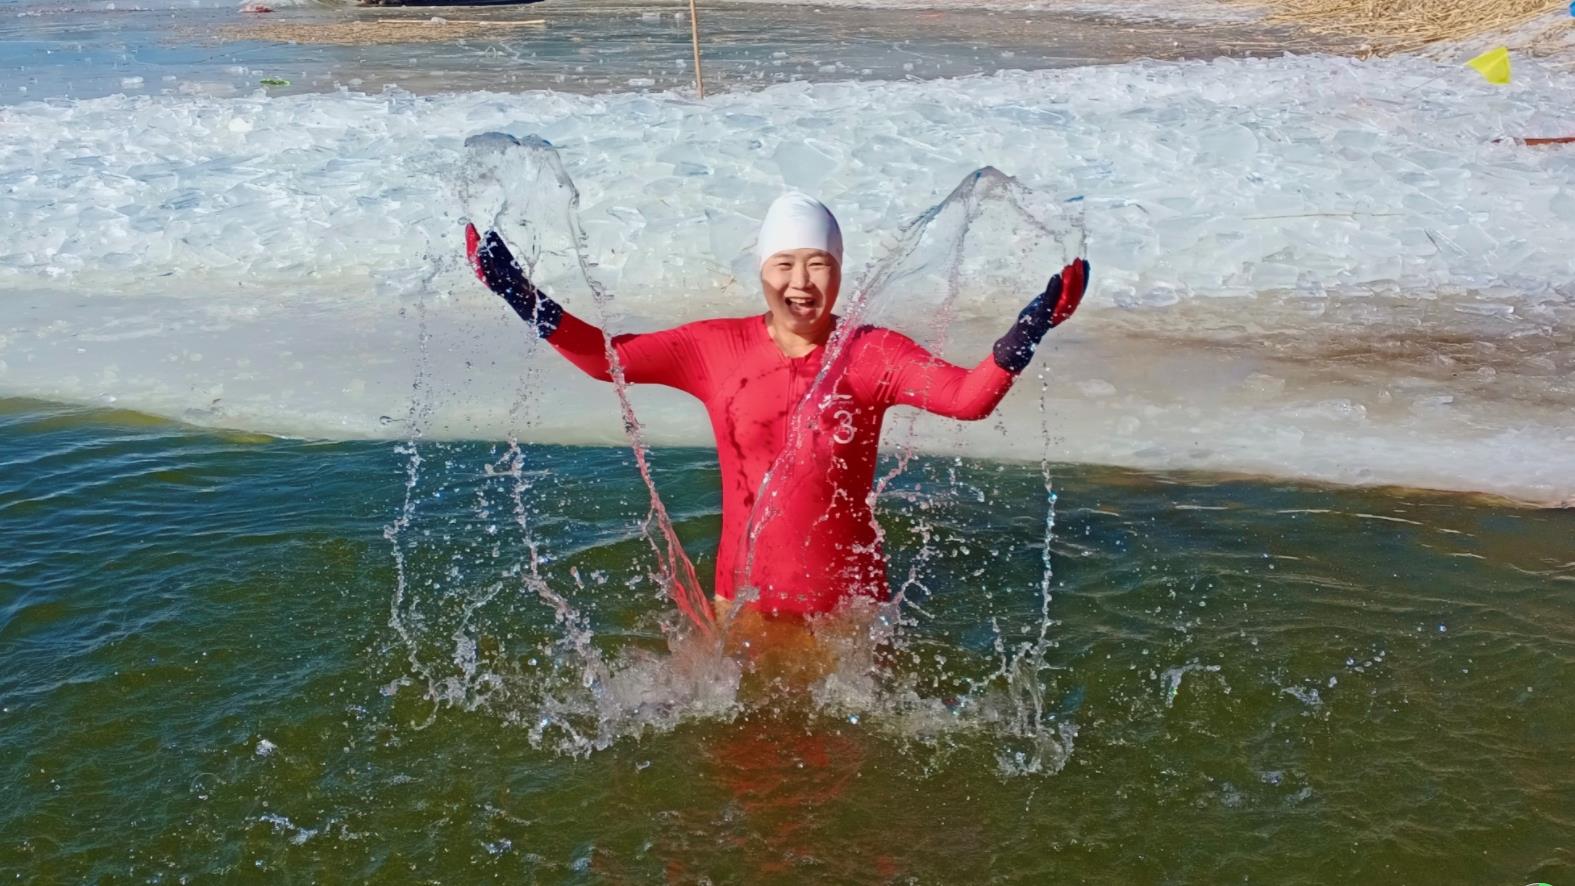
<point x="800" y="306"/>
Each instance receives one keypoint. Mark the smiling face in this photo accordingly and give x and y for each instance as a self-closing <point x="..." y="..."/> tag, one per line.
<point x="801" y="287"/>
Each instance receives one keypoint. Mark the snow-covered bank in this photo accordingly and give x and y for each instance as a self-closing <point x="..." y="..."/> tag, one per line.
<point x="1311" y="267"/>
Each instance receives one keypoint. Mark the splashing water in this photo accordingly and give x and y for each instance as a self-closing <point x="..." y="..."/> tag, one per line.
<point x="478" y="645"/>
<point x="919" y="289"/>
<point x="519" y="188"/>
<point x="459" y="638"/>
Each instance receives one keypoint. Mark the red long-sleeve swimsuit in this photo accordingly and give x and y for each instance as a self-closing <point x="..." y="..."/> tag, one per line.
<point x="814" y="540"/>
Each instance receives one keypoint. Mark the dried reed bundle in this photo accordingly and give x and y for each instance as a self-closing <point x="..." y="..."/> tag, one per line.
<point x="1389" y="26"/>
<point x="372" y="32"/>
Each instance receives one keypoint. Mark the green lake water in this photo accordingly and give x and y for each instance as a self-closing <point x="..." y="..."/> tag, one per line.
<point x="210" y="672"/>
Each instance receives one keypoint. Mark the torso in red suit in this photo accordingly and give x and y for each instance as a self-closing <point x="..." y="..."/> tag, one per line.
<point x="814" y="541"/>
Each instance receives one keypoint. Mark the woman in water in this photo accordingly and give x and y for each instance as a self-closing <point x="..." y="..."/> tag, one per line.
<point x="814" y="543"/>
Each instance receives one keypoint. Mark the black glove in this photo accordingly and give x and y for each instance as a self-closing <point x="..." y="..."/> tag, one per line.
<point x="1049" y="309"/>
<point x="496" y="267"/>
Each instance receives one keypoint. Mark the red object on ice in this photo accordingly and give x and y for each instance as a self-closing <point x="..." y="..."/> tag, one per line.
<point x="256" y="7"/>
<point x="473" y="243"/>
<point x="1555" y="140"/>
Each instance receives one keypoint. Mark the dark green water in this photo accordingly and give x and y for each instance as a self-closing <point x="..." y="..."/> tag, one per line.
<point x="200" y="680"/>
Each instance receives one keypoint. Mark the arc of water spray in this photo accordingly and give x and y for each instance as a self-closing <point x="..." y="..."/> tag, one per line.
<point x="967" y="194"/>
<point x="1020" y="665"/>
<point x="416" y="419"/>
<point x="677" y="572"/>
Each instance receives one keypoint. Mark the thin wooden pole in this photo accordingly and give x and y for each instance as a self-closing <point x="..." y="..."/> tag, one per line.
<point x="694" y="34"/>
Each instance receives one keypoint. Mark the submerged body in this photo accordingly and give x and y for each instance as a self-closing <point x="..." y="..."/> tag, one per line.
<point x="814" y="541"/>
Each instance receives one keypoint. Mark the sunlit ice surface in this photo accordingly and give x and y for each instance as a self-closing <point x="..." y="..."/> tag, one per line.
<point x="1354" y="283"/>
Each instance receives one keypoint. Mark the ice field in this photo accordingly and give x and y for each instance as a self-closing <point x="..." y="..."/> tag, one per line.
<point x="1309" y="267"/>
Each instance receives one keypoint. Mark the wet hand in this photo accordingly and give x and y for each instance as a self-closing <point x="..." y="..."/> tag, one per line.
<point x="495" y="266"/>
<point x="1047" y="310"/>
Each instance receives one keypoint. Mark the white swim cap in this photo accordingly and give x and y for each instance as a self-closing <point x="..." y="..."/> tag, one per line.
<point x="798" y="221"/>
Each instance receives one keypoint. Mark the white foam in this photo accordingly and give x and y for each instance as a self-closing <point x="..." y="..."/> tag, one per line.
<point x="257" y="261"/>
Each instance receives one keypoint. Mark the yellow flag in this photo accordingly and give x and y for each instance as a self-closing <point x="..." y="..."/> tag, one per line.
<point x="1493" y="65"/>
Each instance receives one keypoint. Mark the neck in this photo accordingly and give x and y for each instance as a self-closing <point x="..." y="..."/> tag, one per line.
<point x="792" y="344"/>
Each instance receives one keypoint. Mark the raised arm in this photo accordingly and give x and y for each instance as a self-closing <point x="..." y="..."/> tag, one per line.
<point x="667" y="358"/>
<point x="912" y="376"/>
